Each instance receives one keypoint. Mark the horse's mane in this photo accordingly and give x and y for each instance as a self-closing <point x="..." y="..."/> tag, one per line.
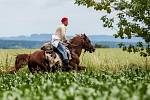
<point x="76" y="36"/>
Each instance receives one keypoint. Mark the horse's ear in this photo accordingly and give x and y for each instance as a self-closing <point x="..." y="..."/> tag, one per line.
<point x="84" y="35"/>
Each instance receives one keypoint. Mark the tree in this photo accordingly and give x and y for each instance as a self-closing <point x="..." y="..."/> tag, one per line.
<point x="132" y="18"/>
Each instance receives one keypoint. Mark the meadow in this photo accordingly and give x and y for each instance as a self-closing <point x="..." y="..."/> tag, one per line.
<point x="111" y="74"/>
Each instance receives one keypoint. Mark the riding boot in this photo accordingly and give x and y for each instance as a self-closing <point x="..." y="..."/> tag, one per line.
<point x="66" y="65"/>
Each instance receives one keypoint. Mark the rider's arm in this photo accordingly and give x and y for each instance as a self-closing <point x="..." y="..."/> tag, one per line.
<point x="63" y="32"/>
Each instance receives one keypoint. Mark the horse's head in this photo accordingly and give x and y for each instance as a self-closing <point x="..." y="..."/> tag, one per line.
<point x="87" y="45"/>
<point x="83" y="42"/>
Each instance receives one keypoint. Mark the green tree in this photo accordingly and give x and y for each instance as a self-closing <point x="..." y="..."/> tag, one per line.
<point x="130" y="18"/>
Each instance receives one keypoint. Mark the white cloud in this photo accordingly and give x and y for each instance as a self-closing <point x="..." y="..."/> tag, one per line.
<point x="24" y="17"/>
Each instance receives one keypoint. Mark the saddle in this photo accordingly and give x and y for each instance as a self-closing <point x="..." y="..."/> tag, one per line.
<point x="52" y="54"/>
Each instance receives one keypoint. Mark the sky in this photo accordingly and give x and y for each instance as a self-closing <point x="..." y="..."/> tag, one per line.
<point x="26" y="17"/>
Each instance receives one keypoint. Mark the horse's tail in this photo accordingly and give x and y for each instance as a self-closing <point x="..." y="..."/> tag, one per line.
<point x="21" y="61"/>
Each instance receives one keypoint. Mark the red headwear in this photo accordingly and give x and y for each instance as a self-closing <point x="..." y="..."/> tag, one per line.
<point x="64" y="19"/>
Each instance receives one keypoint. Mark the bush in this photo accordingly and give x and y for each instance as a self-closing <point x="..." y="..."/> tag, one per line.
<point x="101" y="46"/>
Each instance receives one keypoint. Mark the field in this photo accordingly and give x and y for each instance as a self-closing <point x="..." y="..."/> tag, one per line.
<point x="111" y="75"/>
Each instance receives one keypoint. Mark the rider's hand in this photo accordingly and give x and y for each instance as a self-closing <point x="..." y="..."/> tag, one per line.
<point x="65" y="41"/>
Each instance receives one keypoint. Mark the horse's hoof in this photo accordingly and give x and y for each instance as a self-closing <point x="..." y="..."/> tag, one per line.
<point x="81" y="68"/>
<point x="67" y="69"/>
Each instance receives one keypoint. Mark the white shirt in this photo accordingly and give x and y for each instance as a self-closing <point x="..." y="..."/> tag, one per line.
<point x="59" y="35"/>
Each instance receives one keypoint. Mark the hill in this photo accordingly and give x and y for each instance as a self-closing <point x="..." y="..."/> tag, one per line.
<point x="36" y="40"/>
<point x="47" y="37"/>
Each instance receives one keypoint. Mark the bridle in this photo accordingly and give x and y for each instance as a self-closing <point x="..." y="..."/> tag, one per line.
<point x="79" y="46"/>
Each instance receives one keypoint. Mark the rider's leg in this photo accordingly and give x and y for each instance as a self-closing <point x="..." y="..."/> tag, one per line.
<point x="61" y="48"/>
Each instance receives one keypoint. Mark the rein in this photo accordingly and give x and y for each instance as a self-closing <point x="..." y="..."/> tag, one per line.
<point x="77" y="46"/>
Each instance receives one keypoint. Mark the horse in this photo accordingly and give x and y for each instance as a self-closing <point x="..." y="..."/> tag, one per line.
<point x="78" y="43"/>
<point x="37" y="61"/>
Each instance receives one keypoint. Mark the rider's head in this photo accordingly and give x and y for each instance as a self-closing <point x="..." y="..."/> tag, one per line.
<point x="64" y="21"/>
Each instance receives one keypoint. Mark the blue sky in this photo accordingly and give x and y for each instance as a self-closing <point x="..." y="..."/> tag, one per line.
<point x="26" y="17"/>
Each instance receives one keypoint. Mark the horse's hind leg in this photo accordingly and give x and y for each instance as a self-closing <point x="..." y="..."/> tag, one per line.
<point x="21" y="61"/>
<point x="32" y="67"/>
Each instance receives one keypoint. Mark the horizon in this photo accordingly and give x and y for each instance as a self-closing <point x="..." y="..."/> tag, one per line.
<point x="47" y="37"/>
<point x="50" y="34"/>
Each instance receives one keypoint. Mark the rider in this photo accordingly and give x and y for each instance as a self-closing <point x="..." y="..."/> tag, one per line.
<point x="58" y="40"/>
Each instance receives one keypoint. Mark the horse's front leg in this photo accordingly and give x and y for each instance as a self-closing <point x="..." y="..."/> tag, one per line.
<point x="81" y="67"/>
<point x="75" y="64"/>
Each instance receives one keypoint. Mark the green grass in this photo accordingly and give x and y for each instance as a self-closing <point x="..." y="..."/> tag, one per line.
<point x="103" y="59"/>
<point x="111" y="75"/>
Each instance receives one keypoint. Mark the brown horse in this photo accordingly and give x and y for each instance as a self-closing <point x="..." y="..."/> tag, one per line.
<point x="78" y="43"/>
<point x="37" y="61"/>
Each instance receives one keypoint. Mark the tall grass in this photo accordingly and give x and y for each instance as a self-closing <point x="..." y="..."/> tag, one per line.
<point x="113" y="60"/>
<point x="103" y="59"/>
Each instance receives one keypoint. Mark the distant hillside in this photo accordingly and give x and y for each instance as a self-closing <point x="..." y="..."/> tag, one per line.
<point x="36" y="40"/>
<point x="47" y="37"/>
<point x="33" y="37"/>
<point x="13" y="44"/>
